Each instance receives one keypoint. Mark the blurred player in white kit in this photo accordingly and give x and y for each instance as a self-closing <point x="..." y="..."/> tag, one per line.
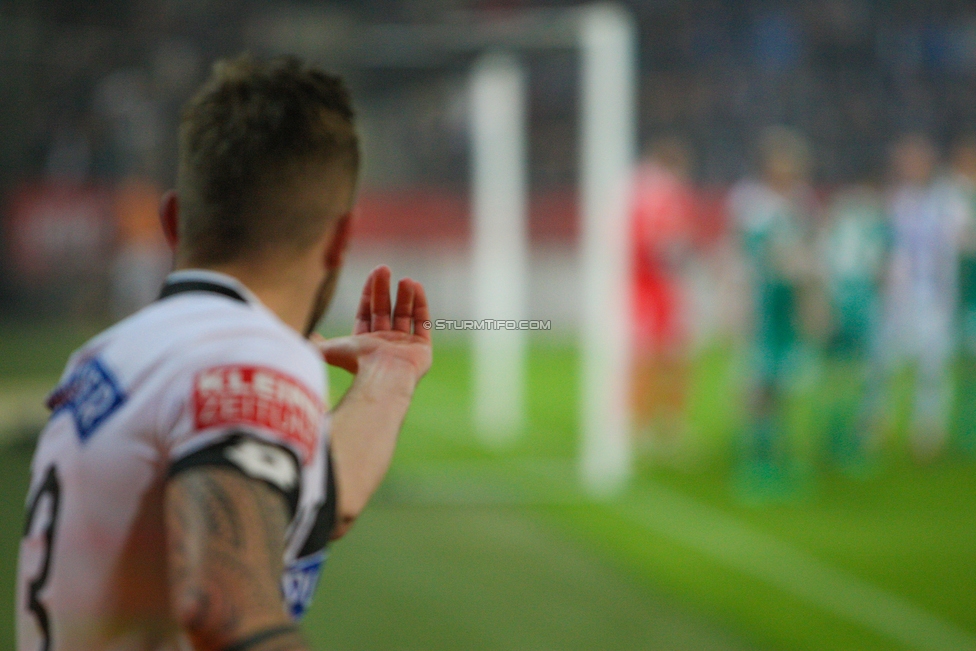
<point x="191" y="475"/>
<point x="927" y="216"/>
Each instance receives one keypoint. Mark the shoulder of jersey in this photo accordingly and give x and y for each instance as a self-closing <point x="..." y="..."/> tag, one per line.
<point x="199" y="330"/>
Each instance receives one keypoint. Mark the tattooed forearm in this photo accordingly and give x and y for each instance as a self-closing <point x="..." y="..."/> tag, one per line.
<point x="226" y="536"/>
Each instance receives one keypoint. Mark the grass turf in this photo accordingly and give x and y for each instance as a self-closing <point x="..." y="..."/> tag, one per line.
<point x="904" y="529"/>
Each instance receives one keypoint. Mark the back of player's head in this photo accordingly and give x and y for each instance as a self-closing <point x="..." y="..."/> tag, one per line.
<point x="266" y="151"/>
<point x="913" y="158"/>
<point x="784" y="152"/>
<point x="964" y="155"/>
<point x="671" y="152"/>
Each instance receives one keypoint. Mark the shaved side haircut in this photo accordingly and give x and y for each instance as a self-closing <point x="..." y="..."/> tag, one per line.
<point x="250" y="140"/>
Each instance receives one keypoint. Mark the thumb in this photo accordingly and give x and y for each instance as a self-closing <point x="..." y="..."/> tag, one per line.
<point x="342" y="352"/>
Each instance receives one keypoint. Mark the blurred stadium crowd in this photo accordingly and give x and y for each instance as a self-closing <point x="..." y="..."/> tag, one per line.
<point x="846" y="236"/>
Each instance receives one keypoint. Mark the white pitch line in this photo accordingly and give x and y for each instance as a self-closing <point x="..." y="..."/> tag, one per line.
<point x="724" y="538"/>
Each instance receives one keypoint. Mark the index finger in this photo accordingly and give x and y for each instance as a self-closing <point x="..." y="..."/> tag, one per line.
<point x="364" y="311"/>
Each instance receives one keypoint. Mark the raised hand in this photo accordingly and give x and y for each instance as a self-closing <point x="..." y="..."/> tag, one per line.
<point x="385" y="332"/>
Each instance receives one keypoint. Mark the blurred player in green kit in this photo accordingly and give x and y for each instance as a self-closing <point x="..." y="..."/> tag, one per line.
<point x="854" y="248"/>
<point x="772" y="215"/>
<point x="964" y="177"/>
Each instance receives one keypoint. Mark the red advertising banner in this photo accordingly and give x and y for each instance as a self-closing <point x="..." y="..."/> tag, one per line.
<point x="58" y="229"/>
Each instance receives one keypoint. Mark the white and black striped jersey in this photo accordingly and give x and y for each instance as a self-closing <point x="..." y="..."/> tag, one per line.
<point x="206" y="375"/>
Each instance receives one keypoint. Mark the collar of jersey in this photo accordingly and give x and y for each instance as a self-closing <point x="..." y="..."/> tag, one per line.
<point x="212" y="277"/>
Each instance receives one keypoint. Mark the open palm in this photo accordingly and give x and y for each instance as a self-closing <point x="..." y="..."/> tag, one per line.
<point x="385" y="332"/>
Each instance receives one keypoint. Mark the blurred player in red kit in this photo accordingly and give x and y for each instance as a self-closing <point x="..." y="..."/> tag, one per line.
<point x="662" y="222"/>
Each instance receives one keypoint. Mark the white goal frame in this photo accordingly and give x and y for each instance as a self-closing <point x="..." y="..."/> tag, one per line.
<point x="605" y="37"/>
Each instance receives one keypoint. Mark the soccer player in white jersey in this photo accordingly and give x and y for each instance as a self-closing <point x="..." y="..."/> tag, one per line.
<point x="927" y="216"/>
<point x="191" y="474"/>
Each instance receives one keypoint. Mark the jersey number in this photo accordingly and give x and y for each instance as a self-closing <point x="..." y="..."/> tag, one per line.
<point x="51" y="487"/>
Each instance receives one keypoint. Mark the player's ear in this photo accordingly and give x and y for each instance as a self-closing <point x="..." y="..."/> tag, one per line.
<point x="335" y="251"/>
<point x="169" y="217"/>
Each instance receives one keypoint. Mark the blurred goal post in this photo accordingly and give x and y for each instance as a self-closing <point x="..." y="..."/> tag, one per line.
<point x="604" y="36"/>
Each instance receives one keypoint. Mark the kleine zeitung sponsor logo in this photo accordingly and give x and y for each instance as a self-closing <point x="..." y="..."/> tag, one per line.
<point x="261" y="396"/>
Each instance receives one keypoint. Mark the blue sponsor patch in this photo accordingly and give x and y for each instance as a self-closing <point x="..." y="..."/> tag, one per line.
<point x="299" y="582"/>
<point x="91" y="394"/>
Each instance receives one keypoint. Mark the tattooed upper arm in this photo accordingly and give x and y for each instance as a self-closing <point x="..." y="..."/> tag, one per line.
<point x="226" y="537"/>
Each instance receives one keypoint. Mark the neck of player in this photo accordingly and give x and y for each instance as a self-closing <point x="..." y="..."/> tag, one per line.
<point x="286" y="284"/>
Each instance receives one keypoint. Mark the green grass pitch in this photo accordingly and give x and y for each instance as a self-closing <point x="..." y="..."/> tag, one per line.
<point x="467" y="547"/>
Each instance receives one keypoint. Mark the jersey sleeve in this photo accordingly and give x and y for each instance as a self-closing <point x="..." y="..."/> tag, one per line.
<point x="255" y="418"/>
<point x="256" y="405"/>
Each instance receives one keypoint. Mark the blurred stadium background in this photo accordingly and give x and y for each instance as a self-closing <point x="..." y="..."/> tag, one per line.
<point x="803" y="490"/>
